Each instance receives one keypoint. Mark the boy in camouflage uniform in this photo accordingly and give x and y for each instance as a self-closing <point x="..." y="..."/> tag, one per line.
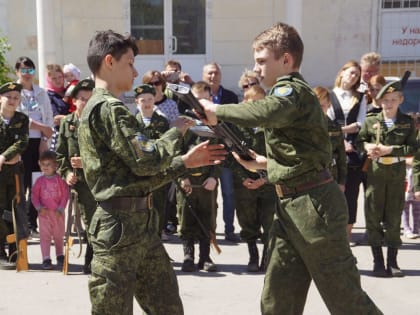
<point x="387" y="137"/>
<point x="197" y="201"/>
<point x="14" y="133"/>
<point x="308" y="239"/>
<point x="122" y="167"/>
<point x="153" y="124"/>
<point x="255" y="199"/>
<point x="69" y="161"/>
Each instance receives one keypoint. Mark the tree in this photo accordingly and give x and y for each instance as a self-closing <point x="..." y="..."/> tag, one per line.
<point x="5" y="69"/>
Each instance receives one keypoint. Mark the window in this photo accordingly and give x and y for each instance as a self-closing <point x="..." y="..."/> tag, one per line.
<point x="400" y="4"/>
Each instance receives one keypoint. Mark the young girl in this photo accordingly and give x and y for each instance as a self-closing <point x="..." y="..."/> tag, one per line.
<point x="50" y="194"/>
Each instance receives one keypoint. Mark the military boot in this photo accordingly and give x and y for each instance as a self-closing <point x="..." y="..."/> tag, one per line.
<point x="4" y="261"/>
<point x="205" y="262"/>
<point x="378" y="262"/>
<point x="188" y="263"/>
<point x="391" y="260"/>
<point x="253" y="257"/>
<point x="264" y="258"/>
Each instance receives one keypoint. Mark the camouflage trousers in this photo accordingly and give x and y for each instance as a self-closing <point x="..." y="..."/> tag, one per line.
<point x="384" y="203"/>
<point x="308" y="242"/>
<point x="255" y="210"/>
<point x="130" y="260"/>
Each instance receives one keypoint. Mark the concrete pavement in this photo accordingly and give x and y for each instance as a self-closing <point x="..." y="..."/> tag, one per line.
<point x="232" y="290"/>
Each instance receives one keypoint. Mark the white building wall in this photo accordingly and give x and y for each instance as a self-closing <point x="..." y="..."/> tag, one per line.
<point x="333" y="31"/>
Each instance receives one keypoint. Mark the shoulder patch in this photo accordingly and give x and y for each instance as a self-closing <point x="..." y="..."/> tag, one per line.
<point x="144" y="144"/>
<point x="283" y="91"/>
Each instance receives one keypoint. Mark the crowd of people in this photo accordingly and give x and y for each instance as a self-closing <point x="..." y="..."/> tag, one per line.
<point x="141" y="177"/>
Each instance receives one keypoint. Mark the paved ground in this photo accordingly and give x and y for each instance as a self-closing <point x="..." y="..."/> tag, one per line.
<point x="230" y="291"/>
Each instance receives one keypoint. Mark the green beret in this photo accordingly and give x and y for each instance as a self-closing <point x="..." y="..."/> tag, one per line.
<point x="10" y="86"/>
<point x="394" y="86"/>
<point x="143" y="89"/>
<point x="85" y="84"/>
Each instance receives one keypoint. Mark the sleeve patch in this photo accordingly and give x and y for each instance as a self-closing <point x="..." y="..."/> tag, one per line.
<point x="145" y="144"/>
<point x="283" y="91"/>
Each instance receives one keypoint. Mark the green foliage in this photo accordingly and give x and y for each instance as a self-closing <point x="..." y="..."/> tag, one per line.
<point x="5" y="69"/>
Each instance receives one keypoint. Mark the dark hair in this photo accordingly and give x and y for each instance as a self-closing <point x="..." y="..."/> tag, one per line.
<point x="108" y="43"/>
<point x="24" y="61"/>
<point x="173" y="63"/>
<point x="48" y="155"/>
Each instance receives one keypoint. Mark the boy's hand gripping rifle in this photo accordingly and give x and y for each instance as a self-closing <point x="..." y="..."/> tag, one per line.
<point x="221" y="130"/>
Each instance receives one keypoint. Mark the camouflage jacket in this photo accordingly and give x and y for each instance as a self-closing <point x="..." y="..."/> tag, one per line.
<point x="296" y="134"/>
<point x="14" y="136"/>
<point x="68" y="145"/>
<point x="402" y="136"/>
<point x="118" y="160"/>
<point x="158" y="125"/>
<point x="338" y="150"/>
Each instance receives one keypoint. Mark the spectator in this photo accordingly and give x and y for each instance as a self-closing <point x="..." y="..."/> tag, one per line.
<point x="70" y="164"/>
<point x="173" y="73"/>
<point x="387" y="138"/>
<point x="348" y="111"/>
<point x="255" y="198"/>
<point x="213" y="76"/>
<point x="49" y="197"/>
<point x="370" y="65"/>
<point x="153" y="124"/>
<point x="166" y="105"/>
<point x="13" y="142"/>
<point x="71" y="77"/>
<point x="338" y="165"/>
<point x="411" y="204"/>
<point x="55" y="90"/>
<point x="248" y="78"/>
<point x="375" y="84"/>
<point x="198" y="202"/>
<point x="36" y="104"/>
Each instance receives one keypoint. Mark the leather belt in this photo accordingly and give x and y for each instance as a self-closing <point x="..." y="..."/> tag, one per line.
<point x="284" y="191"/>
<point x="388" y="160"/>
<point x="127" y="203"/>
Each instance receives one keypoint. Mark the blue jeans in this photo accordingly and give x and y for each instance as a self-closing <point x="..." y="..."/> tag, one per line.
<point x="226" y="182"/>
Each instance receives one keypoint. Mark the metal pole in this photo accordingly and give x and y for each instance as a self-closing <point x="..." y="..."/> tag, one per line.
<point x="46" y="39"/>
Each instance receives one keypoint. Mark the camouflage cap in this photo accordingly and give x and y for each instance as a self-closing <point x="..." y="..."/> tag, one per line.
<point x="394" y="86"/>
<point x="10" y="86"/>
<point x="144" y="88"/>
<point x="85" y="84"/>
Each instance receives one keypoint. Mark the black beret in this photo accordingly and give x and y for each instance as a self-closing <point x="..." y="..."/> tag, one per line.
<point x="394" y="86"/>
<point x="144" y="88"/>
<point x="10" y="86"/>
<point x="85" y="84"/>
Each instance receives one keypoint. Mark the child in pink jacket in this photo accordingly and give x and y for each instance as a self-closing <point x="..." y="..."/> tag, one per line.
<point x="50" y="194"/>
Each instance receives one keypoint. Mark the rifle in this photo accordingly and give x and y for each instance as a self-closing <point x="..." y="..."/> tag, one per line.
<point x="221" y="130"/>
<point x="20" y="235"/>
<point x="209" y="234"/>
<point x="404" y="80"/>
<point x="73" y="205"/>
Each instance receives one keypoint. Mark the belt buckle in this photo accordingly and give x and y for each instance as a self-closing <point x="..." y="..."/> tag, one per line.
<point x="279" y="191"/>
<point x="388" y="160"/>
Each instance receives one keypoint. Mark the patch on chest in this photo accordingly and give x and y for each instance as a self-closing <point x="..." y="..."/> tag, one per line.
<point x="283" y="91"/>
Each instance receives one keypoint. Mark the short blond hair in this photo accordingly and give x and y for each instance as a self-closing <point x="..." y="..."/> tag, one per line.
<point x="371" y="59"/>
<point x="246" y="75"/>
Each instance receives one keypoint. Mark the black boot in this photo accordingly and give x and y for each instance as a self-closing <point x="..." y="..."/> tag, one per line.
<point x="378" y="262"/>
<point x="391" y="260"/>
<point x="264" y="259"/>
<point x="253" y="257"/>
<point x="188" y="264"/>
<point x="88" y="259"/>
<point x="205" y="262"/>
